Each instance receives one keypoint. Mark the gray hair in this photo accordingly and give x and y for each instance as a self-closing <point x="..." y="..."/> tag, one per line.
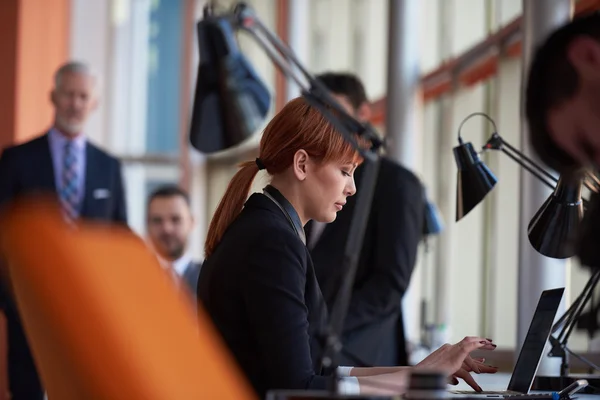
<point x="73" y="67"/>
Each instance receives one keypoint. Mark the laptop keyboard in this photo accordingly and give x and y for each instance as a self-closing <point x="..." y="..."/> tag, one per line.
<point x="504" y="393"/>
<point x="501" y="392"/>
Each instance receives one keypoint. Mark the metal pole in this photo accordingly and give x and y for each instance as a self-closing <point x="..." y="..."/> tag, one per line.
<point x="536" y="272"/>
<point x="446" y="191"/>
<point x="403" y="81"/>
<point x="298" y="38"/>
<point x="401" y="116"/>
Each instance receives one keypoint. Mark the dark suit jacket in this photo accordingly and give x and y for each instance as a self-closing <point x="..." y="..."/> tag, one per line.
<point x="27" y="169"/>
<point x="373" y="329"/>
<point x="260" y="289"/>
<point x="190" y="276"/>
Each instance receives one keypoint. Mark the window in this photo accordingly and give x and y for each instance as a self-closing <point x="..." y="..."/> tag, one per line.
<point x="144" y="85"/>
<point x="165" y="44"/>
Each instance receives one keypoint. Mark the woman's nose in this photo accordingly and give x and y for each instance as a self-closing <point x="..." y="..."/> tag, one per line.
<point x="351" y="189"/>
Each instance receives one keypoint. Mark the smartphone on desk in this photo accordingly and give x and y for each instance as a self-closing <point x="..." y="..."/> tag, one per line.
<point x="573" y="388"/>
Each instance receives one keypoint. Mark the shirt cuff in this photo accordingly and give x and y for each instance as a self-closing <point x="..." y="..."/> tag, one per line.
<point x="349" y="385"/>
<point x="344" y="371"/>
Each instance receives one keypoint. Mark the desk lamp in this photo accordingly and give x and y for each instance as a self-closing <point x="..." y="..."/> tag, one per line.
<point x="551" y="229"/>
<point x="554" y="229"/>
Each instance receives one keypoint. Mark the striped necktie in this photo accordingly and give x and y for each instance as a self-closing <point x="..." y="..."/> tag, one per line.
<point x="69" y="191"/>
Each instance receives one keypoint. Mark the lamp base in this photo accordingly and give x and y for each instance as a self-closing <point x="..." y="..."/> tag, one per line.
<point x="556" y="383"/>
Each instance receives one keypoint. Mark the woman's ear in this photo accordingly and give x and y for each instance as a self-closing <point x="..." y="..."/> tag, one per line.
<point x="300" y="165"/>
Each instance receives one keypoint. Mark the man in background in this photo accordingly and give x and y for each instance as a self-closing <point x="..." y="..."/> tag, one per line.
<point x="562" y="107"/>
<point x="563" y="95"/>
<point x="85" y="179"/>
<point x="374" y="330"/>
<point x="169" y="224"/>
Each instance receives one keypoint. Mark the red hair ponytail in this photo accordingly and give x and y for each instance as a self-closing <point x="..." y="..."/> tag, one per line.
<point x="231" y="205"/>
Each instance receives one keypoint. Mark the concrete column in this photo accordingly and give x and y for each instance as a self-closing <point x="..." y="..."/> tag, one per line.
<point x="298" y="38"/>
<point x="401" y="127"/>
<point x="446" y="191"/>
<point x="536" y="272"/>
<point x="403" y="81"/>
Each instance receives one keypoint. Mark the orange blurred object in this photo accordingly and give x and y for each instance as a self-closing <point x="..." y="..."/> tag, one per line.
<point x="104" y="320"/>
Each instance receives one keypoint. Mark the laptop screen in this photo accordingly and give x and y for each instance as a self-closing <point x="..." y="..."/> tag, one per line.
<point x="535" y="341"/>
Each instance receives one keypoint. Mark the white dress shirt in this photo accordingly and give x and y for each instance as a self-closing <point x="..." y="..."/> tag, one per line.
<point x="181" y="264"/>
<point x="348" y="384"/>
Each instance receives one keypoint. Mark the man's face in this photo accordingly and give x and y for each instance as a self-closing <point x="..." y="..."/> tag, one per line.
<point x="73" y="99"/>
<point x="363" y="113"/>
<point x="169" y="225"/>
<point x="574" y="125"/>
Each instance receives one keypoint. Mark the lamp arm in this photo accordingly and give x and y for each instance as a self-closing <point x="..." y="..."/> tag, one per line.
<point x="496" y="142"/>
<point x="257" y="30"/>
<point x="313" y="90"/>
<point x="582" y="359"/>
<point x="528" y="168"/>
<point x="569" y="319"/>
<point x="540" y="177"/>
<point x="532" y="163"/>
<point x="565" y="318"/>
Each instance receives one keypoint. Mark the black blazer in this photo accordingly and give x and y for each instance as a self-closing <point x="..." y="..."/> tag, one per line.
<point x="373" y="330"/>
<point x="27" y="169"/>
<point x="190" y="276"/>
<point x="260" y="289"/>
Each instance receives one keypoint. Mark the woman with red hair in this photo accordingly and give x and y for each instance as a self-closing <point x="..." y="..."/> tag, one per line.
<point x="257" y="282"/>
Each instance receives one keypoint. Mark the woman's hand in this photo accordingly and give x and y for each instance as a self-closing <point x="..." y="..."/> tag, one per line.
<point x="456" y="362"/>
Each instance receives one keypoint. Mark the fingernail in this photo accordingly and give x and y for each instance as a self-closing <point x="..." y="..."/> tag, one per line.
<point x="491" y="340"/>
<point x="479" y="389"/>
<point x="494" y="345"/>
<point x="483" y="342"/>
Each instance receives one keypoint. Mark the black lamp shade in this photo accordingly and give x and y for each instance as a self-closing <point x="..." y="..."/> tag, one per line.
<point x="553" y="228"/>
<point x="231" y="101"/>
<point x="474" y="179"/>
<point x="588" y="236"/>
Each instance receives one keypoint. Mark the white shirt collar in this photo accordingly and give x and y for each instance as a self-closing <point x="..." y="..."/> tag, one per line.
<point x="181" y="264"/>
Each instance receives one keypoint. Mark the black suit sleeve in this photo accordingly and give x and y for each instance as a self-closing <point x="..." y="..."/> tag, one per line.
<point x="8" y="185"/>
<point x="8" y="190"/>
<point x="398" y="218"/>
<point x="274" y="297"/>
<point x="120" y="213"/>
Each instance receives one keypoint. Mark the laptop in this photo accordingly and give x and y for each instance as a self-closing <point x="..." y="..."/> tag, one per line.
<point x="531" y="352"/>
